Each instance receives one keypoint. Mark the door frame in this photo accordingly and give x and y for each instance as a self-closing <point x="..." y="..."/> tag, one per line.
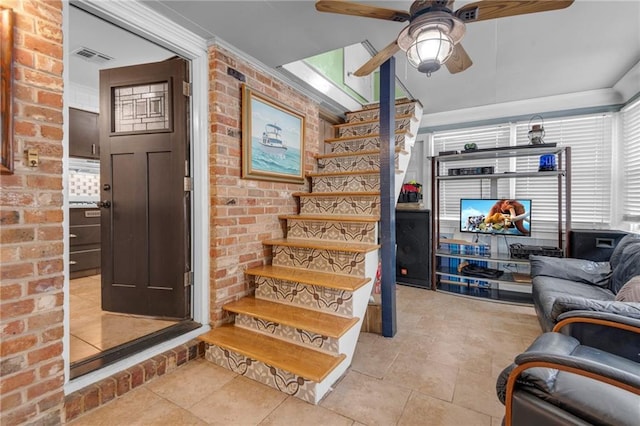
<point x="144" y="22"/>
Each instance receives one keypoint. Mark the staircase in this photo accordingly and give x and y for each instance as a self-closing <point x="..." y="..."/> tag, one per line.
<point x="299" y="332"/>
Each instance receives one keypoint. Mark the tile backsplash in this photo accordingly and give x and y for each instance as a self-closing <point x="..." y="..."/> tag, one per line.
<point x="84" y="180"/>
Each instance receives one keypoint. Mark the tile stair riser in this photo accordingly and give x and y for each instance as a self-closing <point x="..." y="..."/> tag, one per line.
<point x="365" y="144"/>
<point x="372" y="128"/>
<point x="319" y="298"/>
<point x="303" y="337"/>
<point x="362" y="232"/>
<point x="374" y="113"/>
<point x="276" y="378"/>
<point x="346" y="183"/>
<point x="339" y="262"/>
<point x="352" y="163"/>
<point x="339" y="205"/>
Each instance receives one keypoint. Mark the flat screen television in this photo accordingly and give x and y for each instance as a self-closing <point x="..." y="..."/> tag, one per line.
<point x="496" y="217"/>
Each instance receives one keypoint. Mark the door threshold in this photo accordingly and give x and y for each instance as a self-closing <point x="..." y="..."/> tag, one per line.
<point x="117" y="353"/>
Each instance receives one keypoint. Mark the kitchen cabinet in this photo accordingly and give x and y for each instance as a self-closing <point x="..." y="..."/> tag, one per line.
<point x="84" y="242"/>
<point x="84" y="136"/>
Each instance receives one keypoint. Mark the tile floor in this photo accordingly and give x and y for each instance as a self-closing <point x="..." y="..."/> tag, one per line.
<point x="93" y="330"/>
<point x="439" y="369"/>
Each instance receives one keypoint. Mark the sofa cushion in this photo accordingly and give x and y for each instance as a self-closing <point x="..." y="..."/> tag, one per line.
<point x="630" y="292"/>
<point x="546" y="290"/>
<point x="579" y="270"/>
<point x="629" y="239"/>
<point x="627" y="267"/>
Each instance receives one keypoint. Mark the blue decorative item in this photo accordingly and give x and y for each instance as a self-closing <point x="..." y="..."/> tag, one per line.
<point x="547" y="163"/>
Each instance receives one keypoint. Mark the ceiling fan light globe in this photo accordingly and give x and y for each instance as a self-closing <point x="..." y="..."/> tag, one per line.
<point x="430" y="50"/>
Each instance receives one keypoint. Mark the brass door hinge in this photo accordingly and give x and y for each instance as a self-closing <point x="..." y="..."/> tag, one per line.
<point x="188" y="279"/>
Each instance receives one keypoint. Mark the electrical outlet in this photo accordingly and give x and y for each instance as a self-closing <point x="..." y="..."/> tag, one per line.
<point x="236" y="74"/>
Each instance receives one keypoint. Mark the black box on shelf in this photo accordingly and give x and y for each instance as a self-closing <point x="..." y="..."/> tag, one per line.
<point x="471" y="171"/>
<point x="521" y="251"/>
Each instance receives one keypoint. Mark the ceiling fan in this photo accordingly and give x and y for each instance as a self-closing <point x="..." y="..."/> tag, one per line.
<point x="433" y="35"/>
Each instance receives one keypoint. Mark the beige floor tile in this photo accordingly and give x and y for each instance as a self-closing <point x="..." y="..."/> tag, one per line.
<point x="496" y="421"/>
<point x="425" y="410"/>
<point x="79" y="349"/>
<point x="294" y="412"/>
<point x="164" y="413"/>
<point x="413" y="371"/>
<point x="178" y="386"/>
<point x="367" y="400"/>
<point x="122" y="411"/>
<point x="240" y="402"/>
<point x="477" y="392"/>
<point x="374" y="354"/>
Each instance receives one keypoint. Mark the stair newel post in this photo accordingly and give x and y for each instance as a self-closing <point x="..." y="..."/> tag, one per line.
<point x="388" y="197"/>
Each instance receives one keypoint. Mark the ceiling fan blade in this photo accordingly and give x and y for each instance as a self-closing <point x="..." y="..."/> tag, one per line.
<point x="490" y="9"/>
<point x="459" y="60"/>
<point x="380" y="58"/>
<point x="357" y="9"/>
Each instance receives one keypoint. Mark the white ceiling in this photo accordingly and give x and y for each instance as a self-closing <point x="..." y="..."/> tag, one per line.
<point x="589" y="46"/>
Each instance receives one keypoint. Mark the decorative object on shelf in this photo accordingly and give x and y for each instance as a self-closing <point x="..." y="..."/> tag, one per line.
<point x="547" y="163"/>
<point x="536" y="132"/>
<point x="6" y="92"/>
<point x="411" y="192"/>
<point x="272" y="139"/>
<point x="470" y="147"/>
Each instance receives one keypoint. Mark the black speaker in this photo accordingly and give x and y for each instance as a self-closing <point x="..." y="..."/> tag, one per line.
<point x="413" y="254"/>
<point x="593" y="244"/>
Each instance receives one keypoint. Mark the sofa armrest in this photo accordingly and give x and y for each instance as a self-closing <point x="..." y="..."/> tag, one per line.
<point x="566" y="303"/>
<point x="616" y="334"/>
<point x="579" y="270"/>
<point x="554" y="362"/>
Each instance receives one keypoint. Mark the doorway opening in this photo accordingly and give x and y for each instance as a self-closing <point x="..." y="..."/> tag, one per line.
<point x="102" y="331"/>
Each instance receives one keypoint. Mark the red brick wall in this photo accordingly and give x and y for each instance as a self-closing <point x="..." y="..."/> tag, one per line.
<point x="245" y="212"/>
<point x="31" y="317"/>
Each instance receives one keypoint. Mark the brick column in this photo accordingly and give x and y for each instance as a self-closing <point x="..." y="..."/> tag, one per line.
<point x="31" y="296"/>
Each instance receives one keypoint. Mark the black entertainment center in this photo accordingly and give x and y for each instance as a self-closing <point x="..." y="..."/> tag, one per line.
<point x="448" y="255"/>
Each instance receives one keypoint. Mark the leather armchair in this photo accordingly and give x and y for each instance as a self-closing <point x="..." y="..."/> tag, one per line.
<point x="561" y="380"/>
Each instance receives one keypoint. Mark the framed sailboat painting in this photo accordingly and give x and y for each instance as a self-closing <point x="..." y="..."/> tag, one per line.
<point x="272" y="139"/>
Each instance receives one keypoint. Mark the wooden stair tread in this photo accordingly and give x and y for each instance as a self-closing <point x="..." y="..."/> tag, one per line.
<point x="305" y="362"/>
<point x="372" y="135"/>
<point x="330" y="218"/>
<point x="401" y="101"/>
<point x="365" y="122"/>
<point x="317" y="322"/>
<point x="349" y="247"/>
<point x="335" y="194"/>
<point x="354" y="153"/>
<point x="310" y="277"/>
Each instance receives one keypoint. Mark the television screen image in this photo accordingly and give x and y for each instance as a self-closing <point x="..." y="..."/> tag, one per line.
<point x="497" y="217"/>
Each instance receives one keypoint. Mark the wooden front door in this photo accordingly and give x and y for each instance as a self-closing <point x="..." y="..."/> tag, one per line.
<point x="144" y="166"/>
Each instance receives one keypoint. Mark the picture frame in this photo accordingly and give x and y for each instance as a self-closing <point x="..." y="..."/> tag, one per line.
<point x="6" y="91"/>
<point x="272" y="139"/>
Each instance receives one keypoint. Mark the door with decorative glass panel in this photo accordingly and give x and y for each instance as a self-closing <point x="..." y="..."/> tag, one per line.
<point x="145" y="184"/>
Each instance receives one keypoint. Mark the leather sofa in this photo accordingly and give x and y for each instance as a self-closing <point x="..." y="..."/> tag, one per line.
<point x="561" y="380"/>
<point x="562" y="285"/>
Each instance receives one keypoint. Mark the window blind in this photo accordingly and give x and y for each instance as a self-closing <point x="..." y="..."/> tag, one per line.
<point x="631" y="162"/>
<point x="590" y="139"/>
<point x="452" y="191"/>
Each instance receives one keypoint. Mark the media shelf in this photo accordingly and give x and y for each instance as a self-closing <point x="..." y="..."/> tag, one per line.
<point x="445" y="276"/>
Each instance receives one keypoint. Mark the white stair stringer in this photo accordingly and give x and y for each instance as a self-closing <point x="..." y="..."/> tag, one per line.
<point x="324" y="269"/>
